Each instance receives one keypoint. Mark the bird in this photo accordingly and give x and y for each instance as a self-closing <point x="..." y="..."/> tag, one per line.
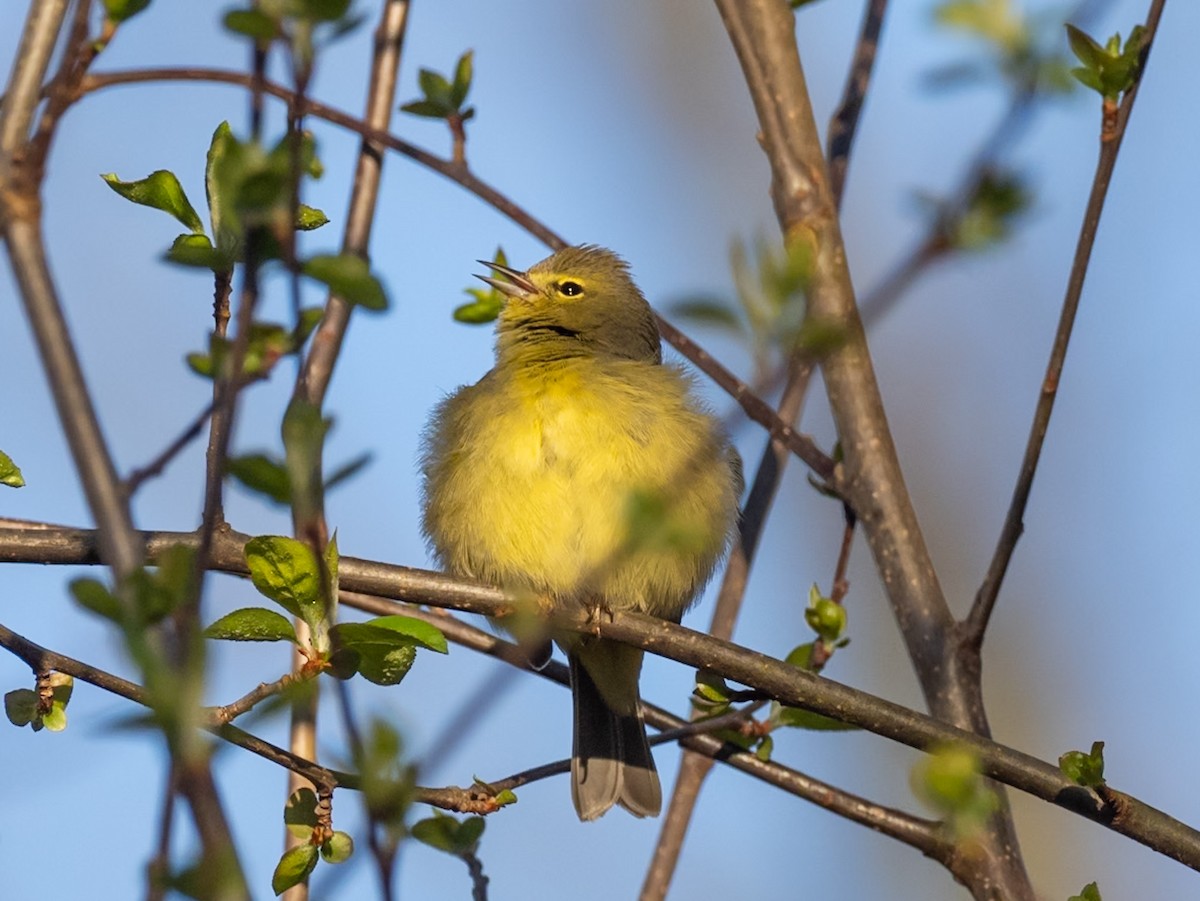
<point x="584" y="472"/>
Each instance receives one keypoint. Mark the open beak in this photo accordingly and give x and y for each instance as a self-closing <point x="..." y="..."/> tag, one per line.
<point x="517" y="285"/>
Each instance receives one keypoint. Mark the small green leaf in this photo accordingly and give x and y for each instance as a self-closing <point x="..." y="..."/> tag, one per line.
<point x="448" y="834"/>
<point x="21" y="706"/>
<point x="436" y="87"/>
<point x="10" y="473"/>
<point x="415" y="630"/>
<point x="123" y="10"/>
<point x="293" y="868"/>
<point x="162" y="191"/>
<point x="796" y="718"/>
<point x="304" y="431"/>
<point x="300" y="813"/>
<point x="463" y="73"/>
<point x="95" y="596"/>
<point x="55" y="718"/>
<point x="765" y="749"/>
<point x="825" y="617"/>
<point x="252" y="624"/>
<point x="385" y="656"/>
<point x="261" y="473"/>
<point x="285" y="570"/>
<point x="338" y="848"/>
<point x="708" y="311"/>
<point x="506" y="797"/>
<point x="801" y="656"/>
<point x="1084" y="769"/>
<point x="1091" y="892"/>
<point x="349" y="277"/>
<point x="348" y="470"/>
<point x="309" y="218"/>
<point x="198" y="251"/>
<point x="323" y="10"/>
<point x="252" y="23"/>
<point x="426" y="109"/>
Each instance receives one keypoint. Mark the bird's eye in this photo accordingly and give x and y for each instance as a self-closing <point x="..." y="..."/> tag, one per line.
<point x="570" y="289"/>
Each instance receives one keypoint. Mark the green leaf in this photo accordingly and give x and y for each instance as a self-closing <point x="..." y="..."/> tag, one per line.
<point x="349" y="277"/>
<point x="426" y="108"/>
<point x="123" y="10"/>
<point x="801" y="656"/>
<point x="252" y="23"/>
<point x="448" y="834"/>
<point x="95" y="596"/>
<point x="286" y="571"/>
<point x="1091" y="892"/>
<point x="10" y="473"/>
<point x="55" y="718"/>
<point x="322" y="10"/>
<point x="226" y="229"/>
<point x="1084" y="769"/>
<point x="300" y="813"/>
<point x="415" y="630"/>
<point x="796" y="718"/>
<point x="309" y="218"/>
<point x="348" y="470"/>
<point x="21" y="706"/>
<point x="463" y="73"/>
<point x="825" y="617"/>
<point x="708" y="311"/>
<point x="1112" y="69"/>
<point x="338" y="848"/>
<point x="436" y="88"/>
<point x="765" y="749"/>
<point x="293" y="868"/>
<point x="252" y="624"/>
<point x="385" y="656"/>
<point x="304" y="431"/>
<point x="261" y="473"/>
<point x="162" y="191"/>
<point x="198" y="251"/>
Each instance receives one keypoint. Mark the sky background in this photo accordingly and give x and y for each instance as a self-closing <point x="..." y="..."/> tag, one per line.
<point x="628" y="124"/>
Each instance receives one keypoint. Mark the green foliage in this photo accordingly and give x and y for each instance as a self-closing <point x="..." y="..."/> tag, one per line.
<point x="159" y="190"/>
<point x="387" y="781"/>
<point x="10" y="473"/>
<point x="948" y="780"/>
<point x="770" y="310"/>
<point x="286" y="571"/>
<point x="268" y="343"/>
<point x="824" y="616"/>
<point x="24" y="707"/>
<point x="443" y="98"/>
<point x="294" y="867"/>
<point x="487" y="302"/>
<point x="152" y="593"/>
<point x="349" y="277"/>
<point x="449" y="834"/>
<point x="989" y="216"/>
<point x="1091" y="892"/>
<point x="1022" y="49"/>
<point x="383" y="649"/>
<point x="252" y="624"/>
<point x="268" y="475"/>
<point x="1086" y="769"/>
<point x="122" y="10"/>
<point x="1109" y="70"/>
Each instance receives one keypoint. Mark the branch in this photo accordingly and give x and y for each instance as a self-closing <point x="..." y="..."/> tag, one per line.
<point x="844" y="124"/>
<point x="1110" y="146"/>
<point x="773" y="678"/>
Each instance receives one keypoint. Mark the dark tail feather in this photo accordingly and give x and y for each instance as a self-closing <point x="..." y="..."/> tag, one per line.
<point x="610" y="760"/>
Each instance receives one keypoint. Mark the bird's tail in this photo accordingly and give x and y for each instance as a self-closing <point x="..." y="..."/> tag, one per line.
<point x="610" y="759"/>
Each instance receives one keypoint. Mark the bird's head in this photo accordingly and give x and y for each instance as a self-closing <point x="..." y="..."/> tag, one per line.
<point x="580" y="301"/>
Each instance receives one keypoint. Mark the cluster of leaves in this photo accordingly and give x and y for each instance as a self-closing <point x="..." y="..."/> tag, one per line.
<point x="1084" y="768"/>
<point x="1110" y="70"/>
<point x="248" y="187"/>
<point x="713" y="697"/>
<point x="444" y="97"/>
<point x="999" y="198"/>
<point x="1023" y="50"/>
<point x="949" y="781"/>
<point x="118" y="11"/>
<point x="1091" y="892"/>
<point x="288" y="572"/>
<point x="486" y="303"/>
<point x="42" y="709"/>
<point x="769" y="311"/>
<point x="296" y="23"/>
<point x="309" y="825"/>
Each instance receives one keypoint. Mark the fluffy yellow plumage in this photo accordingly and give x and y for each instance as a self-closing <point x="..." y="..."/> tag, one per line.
<point x="583" y="471"/>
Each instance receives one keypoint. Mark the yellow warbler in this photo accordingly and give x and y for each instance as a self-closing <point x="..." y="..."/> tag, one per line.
<point x="582" y="471"/>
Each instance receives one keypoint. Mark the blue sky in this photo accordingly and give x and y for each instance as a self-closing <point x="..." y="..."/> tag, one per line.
<point x="628" y="125"/>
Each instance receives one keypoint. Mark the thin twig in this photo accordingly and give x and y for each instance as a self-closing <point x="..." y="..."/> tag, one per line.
<point x="844" y="125"/>
<point x="1014" y="525"/>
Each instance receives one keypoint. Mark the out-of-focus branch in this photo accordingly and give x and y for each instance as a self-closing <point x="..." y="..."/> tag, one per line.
<point x="763" y="35"/>
<point x="1110" y="146"/>
<point x="844" y="124"/>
